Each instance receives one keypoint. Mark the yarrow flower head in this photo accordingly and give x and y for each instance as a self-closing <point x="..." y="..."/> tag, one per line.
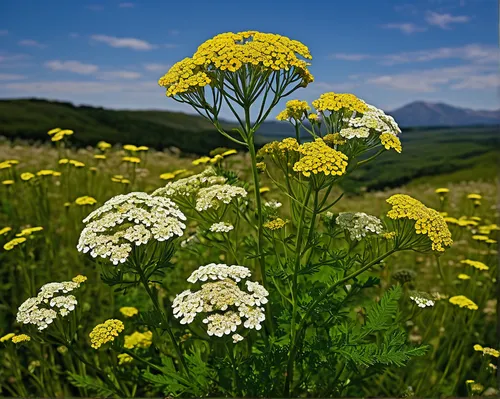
<point x="85" y="200"/>
<point x="475" y="263"/>
<point x="354" y="132"/>
<point x="463" y="302"/>
<point x="221" y="227"/>
<point x="273" y="204"/>
<point x="374" y="119"/>
<point x="214" y="196"/>
<point x="17" y="339"/>
<point x="359" y="224"/>
<point x="319" y="158"/>
<point x="225" y="305"/>
<point x="138" y="339"/>
<point x="295" y="109"/>
<point x="422" y="299"/>
<point x="275" y="224"/>
<point x="189" y="186"/>
<point x="127" y="220"/>
<point x="389" y="141"/>
<point x="129" y="311"/>
<point x="124" y="358"/>
<point x="105" y="332"/>
<point x="50" y="302"/>
<point x="428" y="222"/>
<point x="334" y="102"/>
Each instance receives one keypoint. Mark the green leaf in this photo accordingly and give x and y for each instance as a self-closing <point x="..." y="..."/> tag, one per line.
<point x="90" y="383"/>
<point x="380" y="315"/>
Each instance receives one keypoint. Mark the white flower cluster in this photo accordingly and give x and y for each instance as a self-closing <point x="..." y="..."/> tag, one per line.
<point x="273" y="204"/>
<point x="355" y="132"/>
<point x="227" y="306"/>
<point x="421" y="299"/>
<point x="43" y="309"/>
<point x="133" y="218"/>
<point x="213" y="196"/>
<point x="190" y="185"/>
<point x="221" y="227"/>
<point x="375" y="119"/>
<point x="359" y="224"/>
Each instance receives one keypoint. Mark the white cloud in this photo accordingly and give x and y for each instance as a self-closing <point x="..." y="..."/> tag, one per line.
<point x="157" y="67"/>
<point x="350" y="57"/>
<point x="126" y="5"/>
<point x="11" y="76"/>
<point x="407" y="28"/>
<point x="74" y="35"/>
<point x="487" y="81"/>
<point x="119" y="75"/>
<point x="444" y="20"/>
<point x="72" y="66"/>
<point x="124" y="42"/>
<point x="4" y="32"/>
<point x="30" y="43"/>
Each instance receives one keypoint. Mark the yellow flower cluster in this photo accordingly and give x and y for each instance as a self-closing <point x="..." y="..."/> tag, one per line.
<point x="103" y="145"/>
<point x="85" y="200"/>
<point x="79" y="279"/>
<point x="27" y="176"/>
<point x="487" y="351"/>
<point x="120" y="179"/>
<point x="5" y="230"/>
<point x="336" y="101"/>
<point x="389" y="141"/>
<point x="129" y="311"/>
<point x="463" y="302"/>
<point x="463" y="276"/>
<point x="131" y="159"/>
<point x="427" y="221"/>
<point x="58" y="133"/>
<point x="13" y="243"/>
<point x="20" y="338"/>
<point x="8" y="163"/>
<point x="275" y="224"/>
<point x="318" y="157"/>
<point x="7" y="182"/>
<point x="134" y="148"/>
<point x="7" y="337"/>
<point x="124" y="358"/>
<point x="474" y="196"/>
<point x="487" y="229"/>
<point x="48" y="172"/>
<point x="233" y="51"/>
<point x="100" y="156"/>
<point x="74" y="162"/>
<point x="295" y="109"/>
<point x="442" y="190"/>
<point x="105" y="332"/>
<point x="28" y="231"/>
<point x="334" y="139"/>
<point x="475" y="263"/>
<point x="313" y="117"/>
<point x="138" y="340"/>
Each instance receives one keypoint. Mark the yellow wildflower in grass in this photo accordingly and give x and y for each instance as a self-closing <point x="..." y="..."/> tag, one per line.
<point x="130" y="147"/>
<point x="295" y="109"/>
<point x="475" y="263"/>
<point x="167" y="176"/>
<point x="334" y="102"/>
<point x="28" y="231"/>
<point x="263" y="190"/>
<point x="54" y="131"/>
<point x="179" y="171"/>
<point x="228" y="153"/>
<point x="318" y="157"/>
<point x="491" y="352"/>
<point x="124" y="358"/>
<point x="100" y="156"/>
<point x="442" y="190"/>
<point x="216" y="158"/>
<point x="142" y="148"/>
<point x="5" y="165"/>
<point x="313" y="118"/>
<point x="102" y="145"/>
<point x="255" y="52"/>
<point x="463" y="276"/>
<point x="334" y="139"/>
<point x="261" y="166"/>
<point x="138" y="340"/>
<point x="463" y="302"/>
<point x="389" y="141"/>
<point x="474" y="196"/>
<point x="427" y="220"/>
<point x="20" y="338"/>
<point x="76" y="164"/>
<point x="63" y="161"/>
<point x="490" y="241"/>
<point x="13" y="243"/>
<point x="480" y="237"/>
<point x="85" y="200"/>
<point x="451" y="220"/>
<point x="105" y="332"/>
<point x="201" y="161"/>
<point x="47" y="172"/>
<point x="125" y="181"/>
<point x="131" y="159"/>
<point x="5" y="230"/>
<point x="476" y="218"/>
<point x="8" y="182"/>
<point x="79" y="279"/>
<point x="469" y="382"/>
<point x="7" y="337"/>
<point x="275" y="224"/>
<point x="129" y="311"/>
<point x="27" y="176"/>
<point x="478" y="348"/>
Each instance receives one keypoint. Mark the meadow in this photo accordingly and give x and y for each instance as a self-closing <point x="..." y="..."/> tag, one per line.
<point x="274" y="271"/>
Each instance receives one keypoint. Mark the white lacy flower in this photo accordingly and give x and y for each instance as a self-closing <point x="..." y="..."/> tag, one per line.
<point x="273" y="204"/>
<point x="222" y="295"/>
<point x="421" y="299"/>
<point x="129" y="219"/>
<point x="375" y="119"/>
<point x="190" y="185"/>
<point x="213" y="196"/>
<point x="221" y="227"/>
<point x="359" y="224"/>
<point x="237" y="338"/>
<point x="358" y="132"/>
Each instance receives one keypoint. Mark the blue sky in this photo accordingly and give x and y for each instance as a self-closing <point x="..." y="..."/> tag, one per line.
<point x="111" y="53"/>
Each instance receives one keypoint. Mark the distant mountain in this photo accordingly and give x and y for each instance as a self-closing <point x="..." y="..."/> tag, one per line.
<point x="420" y="113"/>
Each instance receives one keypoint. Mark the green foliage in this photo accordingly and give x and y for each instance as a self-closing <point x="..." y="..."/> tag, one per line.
<point x="93" y="384"/>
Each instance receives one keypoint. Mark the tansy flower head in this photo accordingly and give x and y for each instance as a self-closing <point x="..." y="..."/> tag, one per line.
<point x="130" y="147"/>
<point x="7" y="337"/>
<point x="263" y="190"/>
<point x="131" y="159"/>
<point x="79" y="279"/>
<point x="105" y="332"/>
<point x="295" y="109"/>
<point x="20" y="338"/>
<point x="13" y="243"/>
<point x="85" y="200"/>
<point x="27" y="176"/>
<point x="124" y="358"/>
<point x="100" y="156"/>
<point x="129" y="311"/>
<point x="333" y="139"/>
<point x="463" y="276"/>
<point x="389" y="141"/>
<point x="102" y="145"/>
<point x="334" y="102"/>
<point x="54" y="131"/>
<point x="318" y="157"/>
<point x="475" y="263"/>
<point x="474" y="196"/>
<point x="138" y="340"/>
<point x="480" y="237"/>
<point x="463" y="302"/>
<point x="28" y="231"/>
<point x="201" y="160"/>
<point x="5" y="230"/>
<point x="442" y="190"/>
<point x="275" y="224"/>
<point x="427" y="221"/>
<point x="167" y="176"/>
<point x="8" y="182"/>
<point x="142" y="148"/>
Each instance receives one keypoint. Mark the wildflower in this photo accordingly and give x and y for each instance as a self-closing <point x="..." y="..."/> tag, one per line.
<point x="138" y="340"/>
<point x="221" y="227"/>
<point x="480" y="238"/>
<point x="190" y="185"/>
<point x="359" y="224"/>
<point x="124" y="358"/>
<point x="475" y="263"/>
<point x="7" y="337"/>
<point x="128" y="219"/>
<point x="224" y="297"/>
<point x="167" y="176"/>
<point x="491" y="352"/>
<point x="105" y="332"/>
<point x="27" y="176"/>
<point x="336" y="101"/>
<point x="261" y="166"/>
<point x="48" y="172"/>
<point x="237" y="338"/>
<point x="216" y="158"/>
<point x="463" y="302"/>
<point x="99" y="156"/>
<point x="295" y="109"/>
<point x="201" y="160"/>
<point x="5" y="230"/>
<point x="131" y="159"/>
<point x="13" y="243"/>
<point x="63" y="161"/>
<point x="275" y="224"/>
<point x="474" y="196"/>
<point x="376" y="120"/>
<point x="212" y="197"/>
<point x="20" y="338"/>
<point x="389" y="141"/>
<point x="350" y="132"/>
<point x="29" y="231"/>
<point x="142" y="148"/>
<point x="442" y="191"/>
<point x="463" y="276"/>
<point x="333" y="139"/>
<point x="79" y="279"/>
<point x="54" y="131"/>
<point x="313" y="118"/>
<point x="404" y="276"/>
<point x="318" y="157"/>
<point x="273" y="204"/>
<point x="102" y="145"/>
<point x="130" y="147"/>
<point x="427" y="221"/>
<point x="8" y="182"/>
<point x="129" y="311"/>
<point x="389" y="235"/>
<point x="422" y="299"/>
<point x="85" y="200"/>
<point x="478" y="348"/>
<point x="229" y="152"/>
<point x="263" y="190"/>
